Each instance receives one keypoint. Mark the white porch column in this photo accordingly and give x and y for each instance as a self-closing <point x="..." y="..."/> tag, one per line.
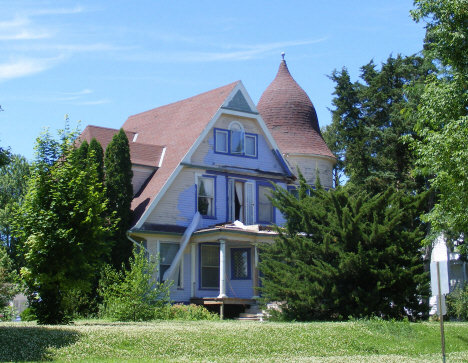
<point x="193" y="270"/>
<point x="222" y="268"/>
<point x="255" y="274"/>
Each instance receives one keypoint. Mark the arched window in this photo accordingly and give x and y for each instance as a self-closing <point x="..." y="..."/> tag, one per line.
<point x="237" y="138"/>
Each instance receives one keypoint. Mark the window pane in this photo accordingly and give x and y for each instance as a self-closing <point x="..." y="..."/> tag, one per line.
<point x="206" y="196"/>
<point x="221" y="141"/>
<point x="237" y="142"/>
<point x="240" y="261"/>
<point x="210" y="256"/>
<point x="210" y="266"/>
<point x="210" y="277"/>
<point x="265" y="208"/>
<point x="168" y="252"/>
<point x="250" y="145"/>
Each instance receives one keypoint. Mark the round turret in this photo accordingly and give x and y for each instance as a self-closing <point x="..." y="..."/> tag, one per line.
<point x="290" y="115"/>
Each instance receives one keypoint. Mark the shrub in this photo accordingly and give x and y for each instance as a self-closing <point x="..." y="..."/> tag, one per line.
<point x="457" y="303"/>
<point x="28" y="314"/>
<point x="185" y="312"/>
<point x="7" y="313"/>
<point x="133" y="295"/>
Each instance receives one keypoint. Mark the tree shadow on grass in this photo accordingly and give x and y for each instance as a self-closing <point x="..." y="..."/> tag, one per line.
<point x="30" y="344"/>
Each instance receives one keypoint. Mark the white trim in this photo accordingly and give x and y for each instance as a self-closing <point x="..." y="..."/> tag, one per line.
<point x="162" y="157"/>
<point x="135" y="137"/>
<point x="192" y="268"/>
<point x="222" y="269"/>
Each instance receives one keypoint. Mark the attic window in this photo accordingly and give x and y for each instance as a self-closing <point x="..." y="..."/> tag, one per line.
<point x="237" y="138"/>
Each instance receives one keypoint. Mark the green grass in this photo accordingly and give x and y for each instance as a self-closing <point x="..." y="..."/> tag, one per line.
<point x="232" y="341"/>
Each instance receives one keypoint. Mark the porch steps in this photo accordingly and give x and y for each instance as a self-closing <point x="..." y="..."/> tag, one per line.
<point x="254" y="313"/>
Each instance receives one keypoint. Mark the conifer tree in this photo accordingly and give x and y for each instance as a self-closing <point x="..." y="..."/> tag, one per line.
<point x="369" y="119"/>
<point x="342" y="255"/>
<point x="96" y="153"/>
<point x="62" y="225"/>
<point x="119" y="192"/>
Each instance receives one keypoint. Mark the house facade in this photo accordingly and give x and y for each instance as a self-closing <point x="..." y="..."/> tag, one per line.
<point x="203" y="169"/>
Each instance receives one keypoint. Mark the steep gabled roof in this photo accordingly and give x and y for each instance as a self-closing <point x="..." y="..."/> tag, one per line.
<point x="291" y="117"/>
<point x="140" y="153"/>
<point x="176" y="126"/>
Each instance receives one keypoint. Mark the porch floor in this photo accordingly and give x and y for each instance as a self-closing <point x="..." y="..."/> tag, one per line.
<point x="221" y="301"/>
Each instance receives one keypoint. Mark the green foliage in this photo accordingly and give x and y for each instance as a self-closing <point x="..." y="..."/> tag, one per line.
<point x="13" y="182"/>
<point x="457" y="303"/>
<point x="133" y="294"/>
<point x="185" y="312"/>
<point x="4" y="157"/>
<point x="8" y="279"/>
<point x="119" y="192"/>
<point x="7" y="313"/>
<point x="62" y="225"/>
<point x="28" y="315"/>
<point x="369" y="119"/>
<point x="96" y="154"/>
<point x="341" y="254"/>
<point x="443" y="113"/>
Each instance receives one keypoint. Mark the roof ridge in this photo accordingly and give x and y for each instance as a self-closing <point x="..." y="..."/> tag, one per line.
<point x="184" y="100"/>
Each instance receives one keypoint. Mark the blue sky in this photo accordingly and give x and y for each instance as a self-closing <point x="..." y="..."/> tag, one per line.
<point x="102" y="61"/>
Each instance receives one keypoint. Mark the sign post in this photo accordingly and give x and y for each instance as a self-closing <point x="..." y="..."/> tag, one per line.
<point x="441" y="313"/>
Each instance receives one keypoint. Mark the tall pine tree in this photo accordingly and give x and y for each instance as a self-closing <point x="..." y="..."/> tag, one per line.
<point x="369" y="119"/>
<point x="343" y="255"/>
<point x="119" y="192"/>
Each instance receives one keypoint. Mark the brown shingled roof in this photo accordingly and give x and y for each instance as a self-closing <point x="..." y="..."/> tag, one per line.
<point x="291" y="117"/>
<point x="140" y="153"/>
<point x="176" y="126"/>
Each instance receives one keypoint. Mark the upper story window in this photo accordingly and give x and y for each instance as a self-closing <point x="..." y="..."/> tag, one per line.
<point x="206" y="196"/>
<point x="265" y="209"/>
<point x="237" y="138"/>
<point x="236" y="141"/>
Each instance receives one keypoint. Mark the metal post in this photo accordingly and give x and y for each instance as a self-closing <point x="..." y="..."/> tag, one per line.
<point x="441" y="315"/>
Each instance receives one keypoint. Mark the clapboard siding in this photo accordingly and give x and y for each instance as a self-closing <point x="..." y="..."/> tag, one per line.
<point x="308" y="166"/>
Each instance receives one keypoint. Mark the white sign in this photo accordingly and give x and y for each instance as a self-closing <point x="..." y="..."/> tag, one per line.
<point x="444" y="278"/>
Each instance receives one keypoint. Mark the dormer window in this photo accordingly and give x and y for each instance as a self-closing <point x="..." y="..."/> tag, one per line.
<point x="236" y="141"/>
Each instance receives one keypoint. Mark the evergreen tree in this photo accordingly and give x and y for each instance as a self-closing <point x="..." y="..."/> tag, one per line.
<point x="342" y="255"/>
<point x="369" y="119"/>
<point x="62" y="225"/>
<point x="96" y="153"/>
<point x="13" y="183"/>
<point x="119" y="192"/>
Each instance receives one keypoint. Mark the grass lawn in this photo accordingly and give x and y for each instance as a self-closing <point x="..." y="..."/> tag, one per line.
<point x="232" y="341"/>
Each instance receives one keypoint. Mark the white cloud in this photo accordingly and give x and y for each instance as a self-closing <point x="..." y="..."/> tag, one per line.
<point x="240" y="53"/>
<point x="26" y="66"/>
<point x="100" y="102"/>
<point x="24" y="35"/>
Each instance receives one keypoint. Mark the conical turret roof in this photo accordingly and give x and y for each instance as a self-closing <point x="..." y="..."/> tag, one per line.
<point x="291" y="117"/>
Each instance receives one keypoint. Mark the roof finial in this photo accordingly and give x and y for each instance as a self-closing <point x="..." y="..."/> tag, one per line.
<point x="282" y="54"/>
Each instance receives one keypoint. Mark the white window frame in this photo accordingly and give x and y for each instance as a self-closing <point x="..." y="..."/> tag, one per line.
<point x="226" y="137"/>
<point x="255" y="138"/>
<point x="198" y="178"/>
<point x="180" y="283"/>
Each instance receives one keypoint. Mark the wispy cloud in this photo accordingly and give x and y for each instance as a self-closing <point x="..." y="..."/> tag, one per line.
<point x="58" y="11"/>
<point x="90" y="103"/>
<point x="234" y="52"/>
<point x="25" y="35"/>
<point x="26" y="66"/>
